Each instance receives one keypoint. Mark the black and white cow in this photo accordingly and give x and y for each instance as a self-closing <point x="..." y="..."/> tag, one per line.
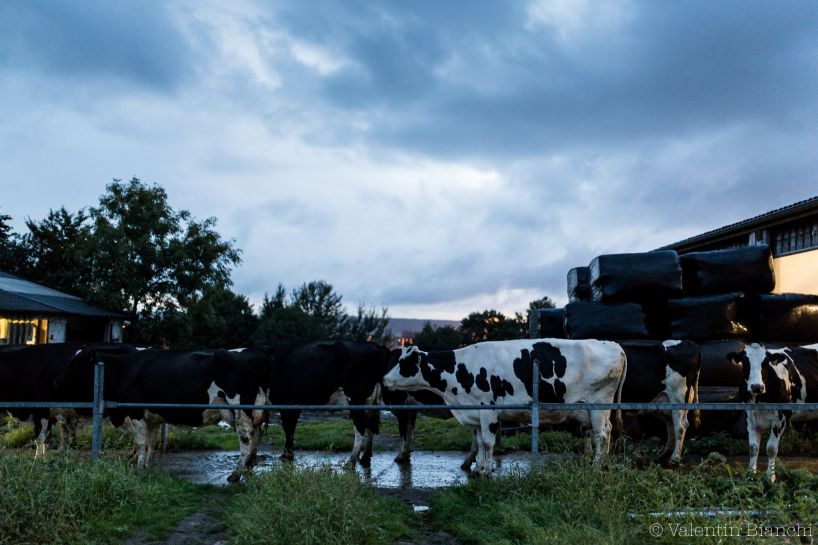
<point x="330" y="372"/>
<point x="785" y="375"/>
<point x="27" y="374"/>
<point x="500" y="372"/>
<point x="168" y="376"/>
<point x="664" y="372"/>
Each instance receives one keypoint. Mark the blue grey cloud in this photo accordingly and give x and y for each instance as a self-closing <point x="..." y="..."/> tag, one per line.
<point x="124" y="41"/>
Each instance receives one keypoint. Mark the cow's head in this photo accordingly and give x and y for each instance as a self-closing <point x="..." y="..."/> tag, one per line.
<point x="405" y="370"/>
<point x="764" y="372"/>
<point x="76" y="381"/>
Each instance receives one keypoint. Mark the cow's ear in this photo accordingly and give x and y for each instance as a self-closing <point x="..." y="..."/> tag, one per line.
<point x="734" y="357"/>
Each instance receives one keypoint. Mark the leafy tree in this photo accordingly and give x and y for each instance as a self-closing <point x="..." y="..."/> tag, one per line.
<point x="314" y="311"/>
<point x="220" y="319"/>
<point x="59" y="250"/>
<point x="148" y="258"/>
<point x="491" y="325"/>
<point x="13" y="257"/>
<point x="438" y="338"/>
<point x="368" y="325"/>
<point x="537" y="304"/>
<point x="318" y="300"/>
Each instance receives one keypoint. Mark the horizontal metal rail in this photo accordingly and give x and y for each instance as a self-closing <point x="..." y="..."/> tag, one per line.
<point x="46" y="405"/>
<point x="487" y="407"/>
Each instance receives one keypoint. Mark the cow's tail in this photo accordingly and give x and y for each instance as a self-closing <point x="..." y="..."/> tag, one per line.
<point x="697" y="413"/>
<point x="618" y="424"/>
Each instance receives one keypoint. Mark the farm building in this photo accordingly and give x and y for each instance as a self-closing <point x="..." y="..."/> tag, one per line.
<point x="34" y="314"/>
<point x="792" y="234"/>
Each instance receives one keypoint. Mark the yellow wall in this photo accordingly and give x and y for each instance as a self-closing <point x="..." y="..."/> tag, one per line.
<point x="797" y="273"/>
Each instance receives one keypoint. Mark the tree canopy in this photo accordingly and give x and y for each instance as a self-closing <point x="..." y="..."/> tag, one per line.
<point x="315" y="310"/>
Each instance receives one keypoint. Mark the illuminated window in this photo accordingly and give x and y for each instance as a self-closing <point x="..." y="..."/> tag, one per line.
<point x="17" y="331"/>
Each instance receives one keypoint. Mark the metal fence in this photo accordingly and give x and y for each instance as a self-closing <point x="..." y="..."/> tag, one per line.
<point x="99" y="405"/>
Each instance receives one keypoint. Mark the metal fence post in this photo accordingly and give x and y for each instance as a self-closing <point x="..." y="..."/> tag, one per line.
<point x="99" y="408"/>
<point x="535" y="411"/>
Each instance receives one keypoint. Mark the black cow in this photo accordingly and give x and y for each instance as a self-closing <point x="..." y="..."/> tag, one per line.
<point x="664" y="372"/>
<point x="785" y="375"/>
<point x="330" y="372"/>
<point x="27" y="374"/>
<point x="168" y="376"/>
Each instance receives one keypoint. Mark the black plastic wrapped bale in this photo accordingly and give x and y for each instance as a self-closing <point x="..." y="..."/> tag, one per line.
<point x="789" y="317"/>
<point x="707" y="318"/>
<point x="636" y="277"/>
<point x="547" y="323"/>
<point x="600" y="321"/>
<point x="716" y="369"/>
<point x="748" y="269"/>
<point x="579" y="284"/>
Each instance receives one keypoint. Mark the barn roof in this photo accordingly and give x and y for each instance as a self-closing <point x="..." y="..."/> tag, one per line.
<point x="768" y="219"/>
<point x="20" y="295"/>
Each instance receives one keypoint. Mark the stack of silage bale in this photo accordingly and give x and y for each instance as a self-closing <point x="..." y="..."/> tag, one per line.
<point x="628" y="294"/>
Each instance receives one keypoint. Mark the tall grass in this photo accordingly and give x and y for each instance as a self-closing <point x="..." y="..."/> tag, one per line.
<point x="573" y="503"/>
<point x="294" y="506"/>
<point x="74" y="501"/>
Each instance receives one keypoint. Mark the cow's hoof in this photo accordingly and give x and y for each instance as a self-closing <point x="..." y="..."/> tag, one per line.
<point x="234" y="477"/>
<point x="670" y="463"/>
<point x="350" y="464"/>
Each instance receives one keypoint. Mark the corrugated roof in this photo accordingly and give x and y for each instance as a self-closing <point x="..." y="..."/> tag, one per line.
<point x="748" y="224"/>
<point x="20" y="295"/>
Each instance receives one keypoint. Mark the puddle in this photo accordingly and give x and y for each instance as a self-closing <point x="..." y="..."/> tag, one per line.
<point x="427" y="470"/>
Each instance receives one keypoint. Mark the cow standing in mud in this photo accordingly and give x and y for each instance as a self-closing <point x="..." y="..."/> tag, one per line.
<point x="501" y="372"/>
<point x="331" y="372"/>
<point x="785" y="375"/>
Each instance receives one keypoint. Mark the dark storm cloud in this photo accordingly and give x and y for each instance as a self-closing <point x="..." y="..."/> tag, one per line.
<point x="134" y="42"/>
<point x="477" y="80"/>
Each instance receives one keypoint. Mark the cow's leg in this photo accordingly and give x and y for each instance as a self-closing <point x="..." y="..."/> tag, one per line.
<point x="250" y="434"/>
<point x="406" y="426"/>
<point x="68" y="430"/>
<point x="601" y="428"/>
<point x="41" y="426"/>
<point x="289" y="420"/>
<point x="151" y="431"/>
<point x="372" y="423"/>
<point x="360" y="430"/>
<point x="487" y="436"/>
<point x="754" y="437"/>
<point x="140" y="437"/>
<point x="779" y="424"/>
<point x="471" y="457"/>
<point x="663" y="457"/>
<point x="679" y="429"/>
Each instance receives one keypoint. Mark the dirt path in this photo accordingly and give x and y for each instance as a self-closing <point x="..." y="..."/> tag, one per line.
<point x="426" y="534"/>
<point x="204" y="527"/>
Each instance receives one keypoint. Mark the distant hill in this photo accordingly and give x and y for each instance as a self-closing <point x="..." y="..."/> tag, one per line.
<point x="401" y="326"/>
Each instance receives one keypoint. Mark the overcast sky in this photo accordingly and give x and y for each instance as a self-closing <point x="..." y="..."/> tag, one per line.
<point x="435" y="157"/>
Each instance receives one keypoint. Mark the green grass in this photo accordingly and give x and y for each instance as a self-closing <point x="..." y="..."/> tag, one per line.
<point x="72" y="500"/>
<point x="314" y="506"/>
<point x="573" y="503"/>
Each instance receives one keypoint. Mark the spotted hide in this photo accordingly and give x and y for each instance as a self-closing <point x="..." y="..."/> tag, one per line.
<point x="219" y="377"/>
<point x="498" y="373"/>
<point x="663" y="372"/>
<point x="786" y="375"/>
